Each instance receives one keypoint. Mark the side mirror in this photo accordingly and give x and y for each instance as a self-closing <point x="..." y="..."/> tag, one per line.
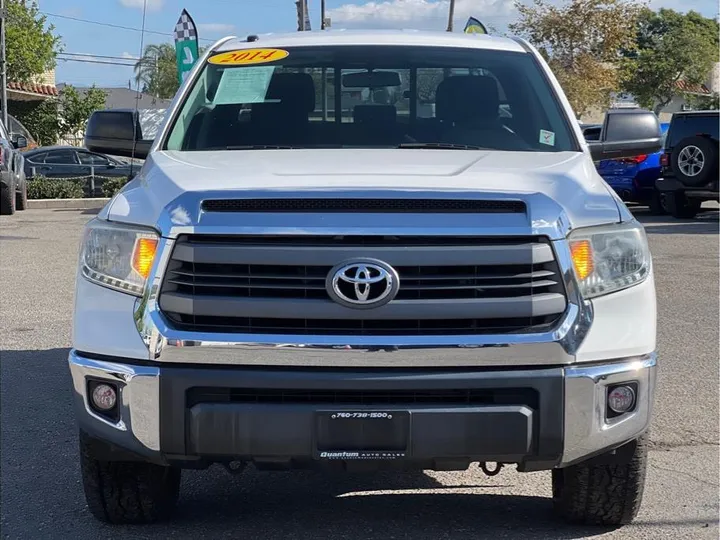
<point x="627" y="133"/>
<point x="20" y="142"/>
<point x="116" y="132"/>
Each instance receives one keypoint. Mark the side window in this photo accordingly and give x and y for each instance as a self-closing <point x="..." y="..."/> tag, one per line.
<point x="61" y="157"/>
<point x="87" y="158"/>
<point x="37" y="158"/>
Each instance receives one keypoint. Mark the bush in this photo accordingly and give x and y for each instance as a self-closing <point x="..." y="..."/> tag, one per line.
<point x="112" y="185"/>
<point x="54" y="188"/>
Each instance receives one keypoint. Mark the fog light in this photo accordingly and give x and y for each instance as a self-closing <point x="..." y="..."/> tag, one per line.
<point x="621" y="399"/>
<point x="104" y="397"/>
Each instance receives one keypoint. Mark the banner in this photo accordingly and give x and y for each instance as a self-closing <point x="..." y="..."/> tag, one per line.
<point x="473" y="26"/>
<point x="186" y="45"/>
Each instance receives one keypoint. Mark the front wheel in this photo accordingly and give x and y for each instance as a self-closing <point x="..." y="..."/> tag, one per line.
<point x="128" y="491"/>
<point x="656" y="204"/>
<point x="7" y="200"/>
<point x="21" y="198"/>
<point x="606" y="490"/>
<point x="680" y="207"/>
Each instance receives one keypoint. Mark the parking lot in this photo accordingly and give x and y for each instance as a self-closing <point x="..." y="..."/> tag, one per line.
<point x="42" y="495"/>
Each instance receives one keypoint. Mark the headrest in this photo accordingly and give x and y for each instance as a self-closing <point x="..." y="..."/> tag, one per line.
<point x="375" y="114"/>
<point x="293" y="89"/>
<point x="467" y="99"/>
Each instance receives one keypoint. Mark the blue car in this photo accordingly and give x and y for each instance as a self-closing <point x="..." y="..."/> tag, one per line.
<point x="634" y="178"/>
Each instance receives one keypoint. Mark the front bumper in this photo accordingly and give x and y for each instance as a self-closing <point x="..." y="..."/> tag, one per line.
<point x="537" y="417"/>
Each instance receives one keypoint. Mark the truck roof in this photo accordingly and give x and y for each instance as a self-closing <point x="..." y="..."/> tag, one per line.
<point x="374" y="37"/>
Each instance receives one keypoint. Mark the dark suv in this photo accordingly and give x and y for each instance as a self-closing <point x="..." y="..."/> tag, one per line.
<point x="690" y="163"/>
<point x="13" y="187"/>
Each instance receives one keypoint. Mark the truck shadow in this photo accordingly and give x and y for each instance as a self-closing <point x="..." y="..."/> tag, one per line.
<point x="311" y="505"/>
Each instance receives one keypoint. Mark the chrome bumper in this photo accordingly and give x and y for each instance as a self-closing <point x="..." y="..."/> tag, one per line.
<point x="585" y="429"/>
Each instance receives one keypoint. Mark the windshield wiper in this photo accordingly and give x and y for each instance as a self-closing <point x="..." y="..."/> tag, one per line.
<point x="443" y="146"/>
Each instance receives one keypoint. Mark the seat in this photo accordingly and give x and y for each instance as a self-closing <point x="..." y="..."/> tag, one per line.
<point x="468" y="109"/>
<point x="468" y="100"/>
<point x="284" y="117"/>
<point x="375" y="125"/>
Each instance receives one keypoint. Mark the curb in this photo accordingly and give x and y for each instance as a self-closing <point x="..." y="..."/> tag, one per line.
<point x="68" y="204"/>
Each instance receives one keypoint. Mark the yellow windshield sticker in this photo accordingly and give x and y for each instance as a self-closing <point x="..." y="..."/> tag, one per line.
<point x="248" y="56"/>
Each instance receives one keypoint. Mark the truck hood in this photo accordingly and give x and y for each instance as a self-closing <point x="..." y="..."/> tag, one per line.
<point x="555" y="186"/>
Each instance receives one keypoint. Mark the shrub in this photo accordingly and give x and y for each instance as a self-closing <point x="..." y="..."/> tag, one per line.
<point x="112" y="185"/>
<point x="54" y="188"/>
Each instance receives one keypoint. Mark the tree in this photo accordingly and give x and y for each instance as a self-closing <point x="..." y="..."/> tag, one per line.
<point x="49" y="120"/>
<point x="75" y="109"/>
<point x="671" y="47"/>
<point x="582" y="41"/>
<point x="157" y="70"/>
<point x="40" y="118"/>
<point x="31" y="47"/>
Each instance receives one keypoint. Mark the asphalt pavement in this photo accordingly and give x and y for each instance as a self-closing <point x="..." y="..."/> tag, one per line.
<point x="41" y="495"/>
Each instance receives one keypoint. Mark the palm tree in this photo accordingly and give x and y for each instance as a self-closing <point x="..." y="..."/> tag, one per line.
<point x="157" y="70"/>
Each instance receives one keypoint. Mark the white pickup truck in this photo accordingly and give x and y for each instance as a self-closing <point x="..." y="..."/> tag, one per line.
<point x="289" y="283"/>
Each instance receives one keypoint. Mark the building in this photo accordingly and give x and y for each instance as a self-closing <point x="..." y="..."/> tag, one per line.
<point x="127" y="98"/>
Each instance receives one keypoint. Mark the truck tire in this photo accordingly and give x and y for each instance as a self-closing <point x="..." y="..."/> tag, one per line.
<point x="7" y="201"/>
<point x="21" y="199"/>
<point x="695" y="161"/>
<point x="679" y="206"/>
<point x="127" y="491"/>
<point x="602" y="491"/>
<point x="656" y="204"/>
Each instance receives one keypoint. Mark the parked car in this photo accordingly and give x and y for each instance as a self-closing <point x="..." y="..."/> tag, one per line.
<point x="13" y="185"/>
<point x="690" y="163"/>
<point x="16" y="129"/>
<point x="72" y="162"/>
<point x="416" y="292"/>
<point x="633" y="178"/>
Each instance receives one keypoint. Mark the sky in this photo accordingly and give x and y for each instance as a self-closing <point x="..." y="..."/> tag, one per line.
<point x="218" y="18"/>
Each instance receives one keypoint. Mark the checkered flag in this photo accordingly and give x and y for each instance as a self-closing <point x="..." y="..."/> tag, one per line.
<point x="185" y="28"/>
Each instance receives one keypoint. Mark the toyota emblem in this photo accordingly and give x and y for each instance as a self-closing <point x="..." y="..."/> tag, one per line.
<point x="362" y="283"/>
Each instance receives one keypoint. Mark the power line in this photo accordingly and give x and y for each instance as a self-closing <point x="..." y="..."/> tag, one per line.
<point x="118" y="26"/>
<point x="89" y="61"/>
<point x="127" y="58"/>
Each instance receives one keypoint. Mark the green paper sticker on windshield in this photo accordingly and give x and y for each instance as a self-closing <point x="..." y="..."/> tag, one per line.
<point x="547" y="137"/>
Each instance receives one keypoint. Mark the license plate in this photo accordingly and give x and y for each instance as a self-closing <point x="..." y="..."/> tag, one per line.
<point x="362" y="435"/>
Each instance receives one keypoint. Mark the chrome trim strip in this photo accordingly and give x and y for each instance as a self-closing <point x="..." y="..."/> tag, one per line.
<point x="544" y="217"/>
<point x="587" y="430"/>
<point x="139" y="387"/>
<point x="557" y="347"/>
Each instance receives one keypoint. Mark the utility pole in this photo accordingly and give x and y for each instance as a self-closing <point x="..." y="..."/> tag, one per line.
<point x="3" y="64"/>
<point x="300" y="5"/>
<point x="322" y="14"/>
<point x="451" y="15"/>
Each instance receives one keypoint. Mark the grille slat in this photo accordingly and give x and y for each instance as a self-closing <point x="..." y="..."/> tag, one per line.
<point x="367" y="327"/>
<point x="505" y="396"/>
<point x="221" y="284"/>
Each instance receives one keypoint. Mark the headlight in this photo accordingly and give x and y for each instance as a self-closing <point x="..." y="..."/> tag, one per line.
<point x="609" y="258"/>
<point x="118" y="256"/>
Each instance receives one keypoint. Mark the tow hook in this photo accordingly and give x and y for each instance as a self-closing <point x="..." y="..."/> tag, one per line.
<point x="491" y="472"/>
<point x="234" y="467"/>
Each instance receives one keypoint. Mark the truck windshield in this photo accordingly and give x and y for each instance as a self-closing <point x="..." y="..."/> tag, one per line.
<point x="371" y="97"/>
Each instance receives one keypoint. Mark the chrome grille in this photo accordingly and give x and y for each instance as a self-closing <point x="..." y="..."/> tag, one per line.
<point x="276" y="284"/>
